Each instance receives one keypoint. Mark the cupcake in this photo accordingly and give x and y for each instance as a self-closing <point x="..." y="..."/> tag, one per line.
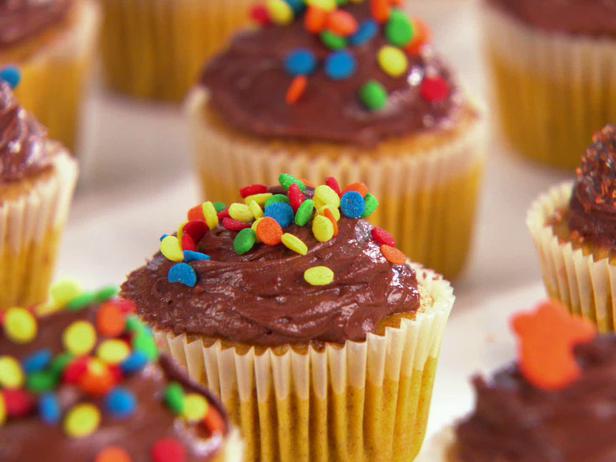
<point x="553" y="405"/>
<point x="573" y="227"/>
<point x="551" y="62"/>
<point x="311" y="326"/>
<point x="37" y="177"/>
<point x="356" y="93"/>
<point x="52" y="42"/>
<point x="155" y="49"/>
<point x="86" y="383"/>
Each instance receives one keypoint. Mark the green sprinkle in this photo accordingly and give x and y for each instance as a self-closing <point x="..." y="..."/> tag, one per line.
<point x="244" y="241"/>
<point x="81" y="301"/>
<point x="341" y="2"/>
<point x="174" y="398"/>
<point x="304" y="212"/>
<point x="134" y="325"/>
<point x="41" y="382"/>
<point x="60" y="363"/>
<point x="106" y="293"/>
<point x="333" y="41"/>
<point x="373" y="95"/>
<point x="275" y="199"/>
<point x="372" y="203"/>
<point x="219" y="206"/>
<point x="399" y="29"/>
<point x="144" y="341"/>
<point x="287" y="180"/>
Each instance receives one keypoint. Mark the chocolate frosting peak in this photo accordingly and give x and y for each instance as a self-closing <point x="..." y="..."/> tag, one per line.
<point x="23" y="149"/>
<point x="516" y="422"/>
<point x="593" y="203"/>
<point x="21" y="19"/>
<point x="248" y="83"/>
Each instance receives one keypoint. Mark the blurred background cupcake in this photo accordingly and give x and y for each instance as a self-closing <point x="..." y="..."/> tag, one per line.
<point x="318" y="335"/>
<point x="37" y="178"/>
<point x="574" y="229"/>
<point x="353" y="92"/>
<point x="86" y="383"/>
<point x="156" y="49"/>
<point x="553" y="71"/>
<point x="52" y="42"/>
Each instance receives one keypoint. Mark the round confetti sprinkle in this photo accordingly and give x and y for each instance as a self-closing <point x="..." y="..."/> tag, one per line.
<point x="11" y="374"/>
<point x="234" y="225"/>
<point x="399" y="30"/>
<point x="277" y="199"/>
<point x="168" y="450"/>
<point x="10" y="75"/>
<point x="304" y="213"/>
<point x="20" y="325"/>
<point x="287" y="180"/>
<point x="335" y="211"/>
<point x="393" y="61"/>
<point x="327" y="213"/>
<point x="260" y="199"/>
<point x="194" y="214"/>
<point x="324" y="195"/>
<point x="106" y="293"/>
<point x="296" y="197"/>
<point x="64" y="291"/>
<point x="434" y="89"/>
<point x="300" y="62"/>
<point x="182" y="273"/>
<point x="113" y="454"/>
<point x="214" y="422"/>
<point x="333" y="41"/>
<point x="134" y="363"/>
<point x="340" y="65"/>
<point x="366" y="32"/>
<point x="393" y="255"/>
<point x="49" y="409"/>
<point x="353" y="205"/>
<point x="82" y="301"/>
<point x="253" y="189"/>
<point x="294" y="243"/>
<point x="110" y="320"/>
<point x="144" y="342"/>
<point x="79" y="338"/>
<point x="37" y="361"/>
<point x="359" y="187"/>
<point x="380" y="9"/>
<point x="171" y="249"/>
<point x="41" y="382"/>
<point x="260" y="15"/>
<point x="333" y="183"/>
<point x="269" y="231"/>
<point x="120" y="403"/>
<point x="113" y="351"/>
<point x="421" y="37"/>
<point x="372" y="203"/>
<point x="298" y="6"/>
<point x="281" y="212"/>
<point x="382" y="237"/>
<point x="82" y="420"/>
<point x="255" y="209"/>
<point x="240" y="212"/>
<point x="190" y="256"/>
<point x="210" y="214"/>
<point x="18" y="403"/>
<point x="97" y="380"/>
<point x="280" y="12"/>
<point x="244" y="241"/>
<point x="322" y="228"/>
<point x="196" y="229"/>
<point x="315" y="20"/>
<point x="60" y="363"/>
<point x="373" y="95"/>
<point x="296" y="89"/>
<point x="326" y="5"/>
<point x="319" y="276"/>
<point x="195" y="407"/>
<point x="174" y="398"/>
<point x="3" y="411"/>
<point x="342" y="23"/>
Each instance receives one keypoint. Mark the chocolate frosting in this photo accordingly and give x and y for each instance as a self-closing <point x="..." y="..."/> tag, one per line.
<point x="23" y="149"/>
<point x="21" y="19"/>
<point x="261" y="298"/>
<point x="29" y="439"/>
<point x="584" y="17"/>
<point x="516" y="422"/>
<point x="593" y="203"/>
<point x="248" y="82"/>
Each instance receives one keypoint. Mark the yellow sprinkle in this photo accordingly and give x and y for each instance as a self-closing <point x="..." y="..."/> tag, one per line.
<point x="280" y="12"/>
<point x="322" y="228"/>
<point x="64" y="291"/>
<point x="20" y="325"/>
<point x="210" y="214"/>
<point x="393" y="61"/>
<point x="324" y="195"/>
<point x="113" y="351"/>
<point x="2" y="410"/>
<point x="240" y="212"/>
<point x="334" y="210"/>
<point x="171" y="249"/>
<point x="327" y="5"/>
<point x="260" y="199"/>
<point x="79" y="338"/>
<point x="319" y="276"/>
<point x="195" y="407"/>
<point x="82" y="420"/>
<point x="255" y="209"/>
<point x="294" y="243"/>
<point x="181" y="233"/>
<point x="11" y="374"/>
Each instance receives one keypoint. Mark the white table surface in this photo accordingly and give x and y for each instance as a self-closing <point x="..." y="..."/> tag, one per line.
<point x="137" y="183"/>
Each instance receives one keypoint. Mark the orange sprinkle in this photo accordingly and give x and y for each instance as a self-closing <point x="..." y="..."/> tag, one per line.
<point x="97" y="383"/>
<point x="213" y="421"/>
<point x="196" y="213"/>
<point x="308" y="183"/>
<point x="269" y="231"/>
<point x="329" y="214"/>
<point x="297" y="89"/>
<point x="110" y="321"/>
<point x="396" y="2"/>
<point x="359" y="187"/>
<point x="380" y="9"/>
<point x="393" y="255"/>
<point x="423" y="35"/>
<point x="342" y="23"/>
<point x="316" y="20"/>
<point x="113" y="454"/>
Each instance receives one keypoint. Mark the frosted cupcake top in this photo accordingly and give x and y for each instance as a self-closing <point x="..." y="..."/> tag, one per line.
<point x="337" y="72"/>
<point x="21" y="19"/>
<point x="86" y="383"/>
<point x="287" y="265"/>
<point x="23" y="141"/>
<point x="583" y="17"/>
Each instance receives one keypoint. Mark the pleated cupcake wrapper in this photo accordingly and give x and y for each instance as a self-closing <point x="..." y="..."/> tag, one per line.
<point x="233" y="448"/>
<point x="30" y="227"/>
<point x="585" y="285"/>
<point x="54" y="76"/>
<point x="155" y="49"/>
<point x="291" y="405"/>
<point x="554" y="90"/>
<point x="428" y="198"/>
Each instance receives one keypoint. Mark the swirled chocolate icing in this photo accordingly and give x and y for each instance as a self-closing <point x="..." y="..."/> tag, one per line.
<point x="248" y="82"/>
<point x="29" y="439"/>
<point x="23" y="150"/>
<point x="592" y="210"/>
<point x="516" y="422"/>
<point x="21" y="19"/>
<point x="585" y="17"/>
<point x="261" y="298"/>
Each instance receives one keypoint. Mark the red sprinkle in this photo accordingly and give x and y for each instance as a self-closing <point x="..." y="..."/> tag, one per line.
<point x="260" y="15"/>
<point x="435" y="89"/>
<point x="297" y="89"/>
<point x="333" y="183"/>
<point x="382" y="237"/>
<point x="296" y="196"/>
<point x="196" y="213"/>
<point x="188" y="243"/>
<point x="234" y="225"/>
<point x="168" y="450"/>
<point x="252" y="190"/>
<point x="196" y="229"/>
<point x="76" y="370"/>
<point x="223" y="214"/>
<point x="19" y="403"/>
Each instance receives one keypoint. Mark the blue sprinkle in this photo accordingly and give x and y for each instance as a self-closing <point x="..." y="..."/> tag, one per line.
<point x="37" y="361"/>
<point x="353" y="205"/>
<point x="134" y="363"/>
<point x="191" y="255"/>
<point x="340" y="65"/>
<point x="11" y="75"/>
<point x="182" y="273"/>
<point x="49" y="408"/>
<point x="298" y="6"/>
<point x="366" y="32"/>
<point x="120" y="402"/>
<point x="163" y="236"/>
<point x="301" y="62"/>
<point x="281" y="212"/>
